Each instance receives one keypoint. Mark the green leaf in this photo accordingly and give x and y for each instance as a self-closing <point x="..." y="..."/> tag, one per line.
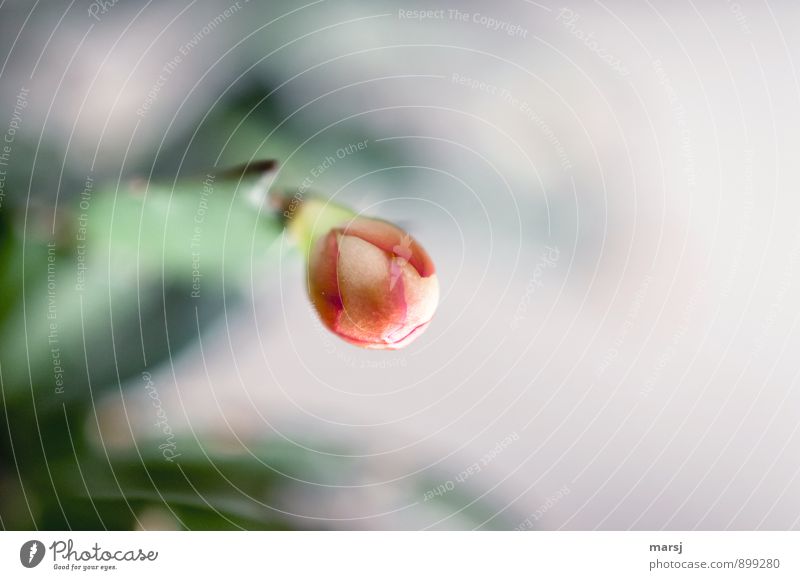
<point x="160" y="255"/>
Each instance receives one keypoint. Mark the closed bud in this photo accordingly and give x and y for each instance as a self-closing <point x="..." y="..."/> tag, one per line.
<point x="371" y="283"/>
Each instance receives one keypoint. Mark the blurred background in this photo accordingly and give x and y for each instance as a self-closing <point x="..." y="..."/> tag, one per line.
<point x="609" y="192"/>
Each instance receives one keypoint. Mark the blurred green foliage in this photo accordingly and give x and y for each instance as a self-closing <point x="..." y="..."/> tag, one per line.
<point x="71" y="328"/>
<point x="100" y="290"/>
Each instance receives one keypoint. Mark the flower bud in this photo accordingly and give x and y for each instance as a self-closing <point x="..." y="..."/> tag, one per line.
<point x="371" y="283"/>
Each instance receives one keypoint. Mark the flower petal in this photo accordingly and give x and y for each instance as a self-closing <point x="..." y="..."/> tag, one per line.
<point x="370" y="309"/>
<point x="323" y="284"/>
<point x="392" y="240"/>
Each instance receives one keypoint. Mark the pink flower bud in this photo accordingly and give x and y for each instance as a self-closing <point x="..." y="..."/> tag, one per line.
<point x="372" y="284"/>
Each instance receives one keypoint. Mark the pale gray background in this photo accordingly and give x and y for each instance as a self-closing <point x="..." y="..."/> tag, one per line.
<point x="652" y="373"/>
